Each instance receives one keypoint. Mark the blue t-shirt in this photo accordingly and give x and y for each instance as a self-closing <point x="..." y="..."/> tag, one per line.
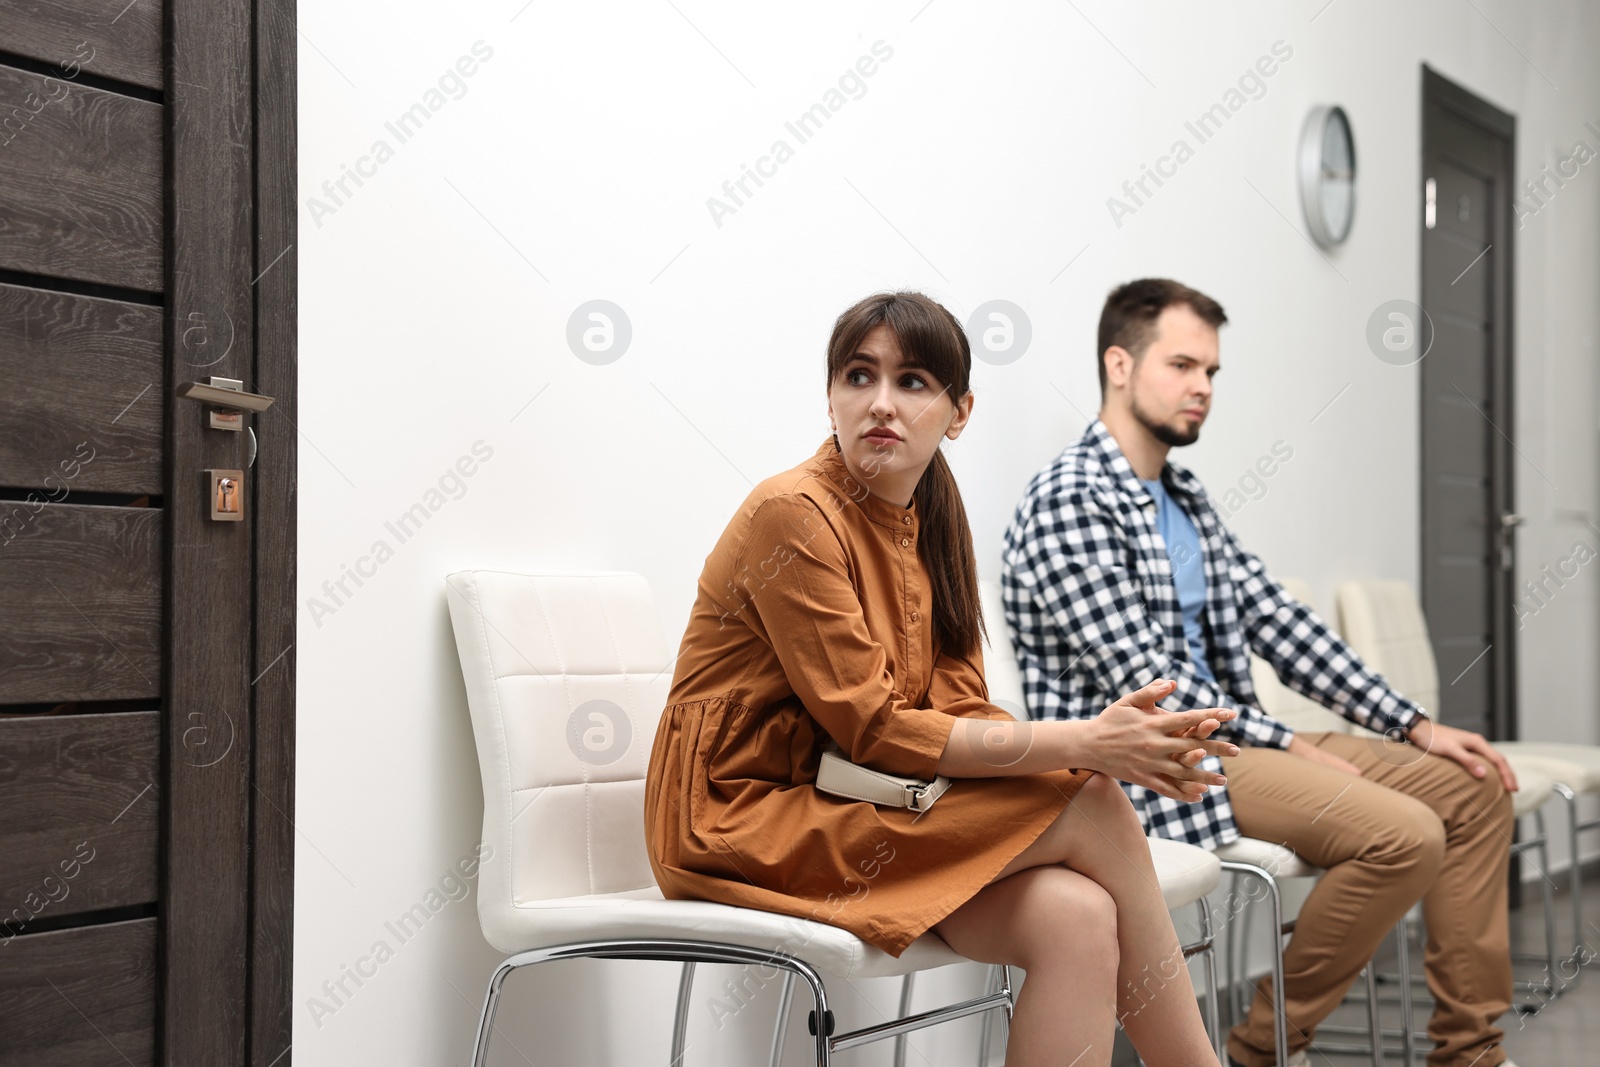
<point x="1188" y="571"/>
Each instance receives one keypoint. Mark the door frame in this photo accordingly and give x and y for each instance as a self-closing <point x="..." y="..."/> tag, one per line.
<point x="276" y="496"/>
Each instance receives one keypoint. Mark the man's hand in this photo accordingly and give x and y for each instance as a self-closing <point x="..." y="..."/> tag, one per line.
<point x="1299" y="746"/>
<point x="1465" y="747"/>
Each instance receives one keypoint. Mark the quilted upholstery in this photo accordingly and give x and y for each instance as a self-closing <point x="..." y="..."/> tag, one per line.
<point x="1383" y="622"/>
<point x="535" y="650"/>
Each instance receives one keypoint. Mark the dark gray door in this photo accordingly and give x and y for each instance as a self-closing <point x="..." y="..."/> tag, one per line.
<point x="1466" y="417"/>
<point x="146" y="651"/>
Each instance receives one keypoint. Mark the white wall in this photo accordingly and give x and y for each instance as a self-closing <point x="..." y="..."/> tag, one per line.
<point x="577" y="166"/>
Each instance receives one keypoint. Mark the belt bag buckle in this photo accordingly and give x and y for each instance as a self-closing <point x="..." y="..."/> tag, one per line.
<point x="921" y="797"/>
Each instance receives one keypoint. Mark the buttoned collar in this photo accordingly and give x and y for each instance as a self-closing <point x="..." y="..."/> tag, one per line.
<point x="879" y="510"/>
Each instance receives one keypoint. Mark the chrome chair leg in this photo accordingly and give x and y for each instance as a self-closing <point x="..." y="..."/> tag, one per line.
<point x="906" y="985"/>
<point x="1374" y="1019"/>
<point x="1239" y="962"/>
<point x="780" y="1028"/>
<point x="1580" y="954"/>
<point x="819" y="1000"/>
<point x="1408" y="1039"/>
<point x="680" y="1019"/>
<point x="1275" y="899"/>
<point x="1574" y="874"/>
<point x="491" y="1002"/>
<point x="1584" y="955"/>
<point x="785" y="1007"/>
<point x="1551" y="987"/>
<point x="687" y="951"/>
<point x="991" y="985"/>
<point x="1009" y="991"/>
<point x="999" y="981"/>
<point x="1547" y="892"/>
<point x="1213" y="989"/>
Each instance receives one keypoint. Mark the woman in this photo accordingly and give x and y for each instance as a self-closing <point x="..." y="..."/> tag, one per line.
<point x="842" y="602"/>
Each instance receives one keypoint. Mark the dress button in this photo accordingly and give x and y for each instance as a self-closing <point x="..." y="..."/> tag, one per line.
<point x="915" y="616"/>
<point x="906" y="519"/>
<point x="905" y="541"/>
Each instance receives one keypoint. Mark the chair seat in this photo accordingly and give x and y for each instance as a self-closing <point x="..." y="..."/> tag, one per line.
<point x="1575" y="766"/>
<point x="1278" y="860"/>
<point x="645" y="913"/>
<point x="1534" y="786"/>
<point x="1185" y="873"/>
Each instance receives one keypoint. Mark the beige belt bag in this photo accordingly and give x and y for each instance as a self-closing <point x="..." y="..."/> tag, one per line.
<point x="837" y="775"/>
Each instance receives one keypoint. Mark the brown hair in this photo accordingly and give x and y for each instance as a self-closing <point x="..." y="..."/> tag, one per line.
<point x="1128" y="319"/>
<point x="930" y="338"/>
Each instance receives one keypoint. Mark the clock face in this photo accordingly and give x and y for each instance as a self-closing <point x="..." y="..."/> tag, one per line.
<point x="1328" y="175"/>
<point x="1338" y="186"/>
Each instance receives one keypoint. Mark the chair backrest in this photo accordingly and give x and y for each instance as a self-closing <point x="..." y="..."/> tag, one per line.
<point x="1383" y="622"/>
<point x="566" y="677"/>
<point x="1283" y="703"/>
<point x="1000" y="668"/>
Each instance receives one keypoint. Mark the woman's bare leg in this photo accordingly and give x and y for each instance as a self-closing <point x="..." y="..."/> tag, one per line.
<point x="1062" y="928"/>
<point x="1099" y="836"/>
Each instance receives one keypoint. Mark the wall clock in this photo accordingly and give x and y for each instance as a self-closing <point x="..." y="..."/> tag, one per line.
<point x="1328" y="175"/>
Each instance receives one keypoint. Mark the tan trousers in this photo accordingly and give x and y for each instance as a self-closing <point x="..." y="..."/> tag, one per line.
<point x="1411" y="826"/>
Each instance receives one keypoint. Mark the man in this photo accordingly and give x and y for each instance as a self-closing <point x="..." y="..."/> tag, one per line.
<point x="1118" y="570"/>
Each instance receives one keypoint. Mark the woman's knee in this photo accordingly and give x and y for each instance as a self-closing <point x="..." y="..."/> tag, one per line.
<point x="1066" y="918"/>
<point x="1103" y="796"/>
<point x="1099" y="812"/>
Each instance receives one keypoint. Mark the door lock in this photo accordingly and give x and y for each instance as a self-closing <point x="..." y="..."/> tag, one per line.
<point x="226" y="494"/>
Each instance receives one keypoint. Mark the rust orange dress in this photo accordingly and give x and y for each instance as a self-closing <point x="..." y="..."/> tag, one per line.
<point x="813" y="619"/>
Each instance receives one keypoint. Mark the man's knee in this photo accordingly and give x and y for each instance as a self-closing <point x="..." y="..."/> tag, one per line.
<point x="1485" y="801"/>
<point x="1492" y="795"/>
<point x="1413" y="839"/>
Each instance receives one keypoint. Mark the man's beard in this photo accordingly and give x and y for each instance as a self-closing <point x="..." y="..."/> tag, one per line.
<point x="1161" y="431"/>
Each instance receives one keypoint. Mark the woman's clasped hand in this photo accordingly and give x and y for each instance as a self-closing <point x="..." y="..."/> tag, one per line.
<point x="1137" y="741"/>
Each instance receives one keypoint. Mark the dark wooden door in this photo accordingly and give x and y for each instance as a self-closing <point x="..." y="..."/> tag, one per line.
<point x="146" y="651"/>
<point x="1466" y="406"/>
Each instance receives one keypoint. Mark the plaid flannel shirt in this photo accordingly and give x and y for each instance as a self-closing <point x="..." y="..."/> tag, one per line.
<point x="1088" y="592"/>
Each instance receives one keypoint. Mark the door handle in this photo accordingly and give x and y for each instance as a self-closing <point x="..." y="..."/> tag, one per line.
<point x="228" y="399"/>
<point x="1509" y="521"/>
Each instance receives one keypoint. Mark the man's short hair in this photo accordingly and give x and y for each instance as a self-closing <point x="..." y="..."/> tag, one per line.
<point x="1128" y="319"/>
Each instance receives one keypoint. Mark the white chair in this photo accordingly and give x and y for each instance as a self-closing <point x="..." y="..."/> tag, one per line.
<point x="1574" y="768"/>
<point x="1383" y="621"/>
<point x="568" y="876"/>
